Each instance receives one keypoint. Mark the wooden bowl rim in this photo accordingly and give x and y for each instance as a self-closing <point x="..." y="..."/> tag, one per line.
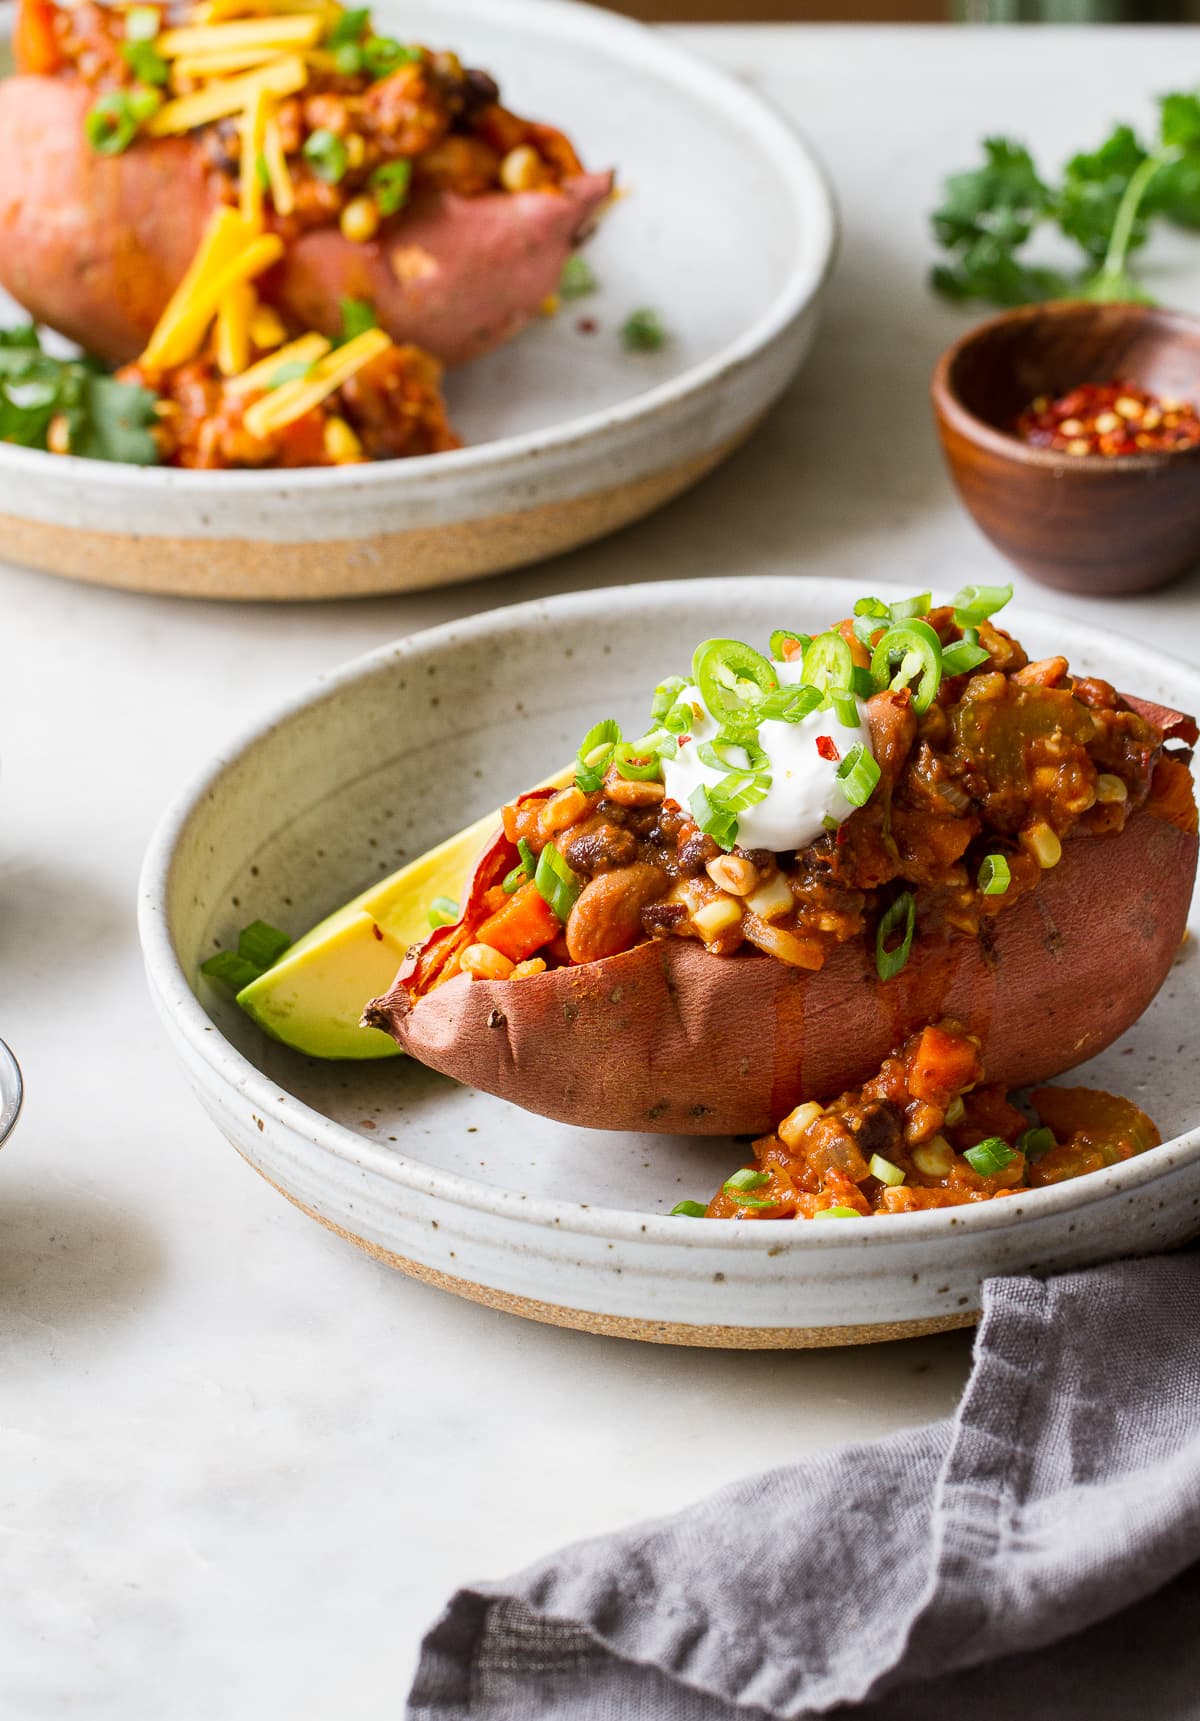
<point x="949" y="407"/>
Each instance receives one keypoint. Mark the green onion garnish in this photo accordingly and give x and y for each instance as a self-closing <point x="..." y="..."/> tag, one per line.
<point x="262" y="944"/>
<point x="995" y="875"/>
<point x="740" y="790"/>
<point x="142" y="23"/>
<point x="643" y="331"/>
<point x="732" y="678"/>
<point x="557" y="884"/>
<point x="858" y="775"/>
<point x="716" y="822"/>
<point x="861" y="682"/>
<point x="870" y="616"/>
<point x="145" y="61"/>
<point x="724" y="754"/>
<point x="753" y="1201"/>
<point x="666" y="695"/>
<point x="637" y="763"/>
<point x="348" y="59"/>
<point x="885" y="1170"/>
<point x="837" y="1213"/>
<point x="783" y="637"/>
<point x="990" y="1156"/>
<point x="112" y="122"/>
<point x="846" y="707"/>
<point x="745" y="1179"/>
<point x="231" y="970"/>
<point x="976" y="603"/>
<point x="906" y="653"/>
<point x="291" y="371"/>
<point x="349" y="27"/>
<point x="528" y="858"/>
<point x="906" y="608"/>
<point x="443" y="911"/>
<point x="790" y="704"/>
<point x="389" y="186"/>
<point x="325" y="153"/>
<point x="689" y="1210"/>
<point x="963" y="656"/>
<point x="358" y="315"/>
<point x="595" y="754"/>
<point x="513" y="880"/>
<point x="577" y="279"/>
<point x="1035" y="1143"/>
<point x="382" y="55"/>
<point x="902" y="914"/>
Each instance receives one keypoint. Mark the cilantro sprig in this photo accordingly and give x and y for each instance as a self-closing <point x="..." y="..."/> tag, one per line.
<point x="1106" y="202"/>
<point x="105" y="419"/>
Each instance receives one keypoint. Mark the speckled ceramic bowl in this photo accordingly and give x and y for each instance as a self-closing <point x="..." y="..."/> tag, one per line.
<point x="11" y="1092"/>
<point x="568" y="435"/>
<point x="561" y="1224"/>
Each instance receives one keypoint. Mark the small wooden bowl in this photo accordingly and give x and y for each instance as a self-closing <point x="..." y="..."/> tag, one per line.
<point x="1090" y="524"/>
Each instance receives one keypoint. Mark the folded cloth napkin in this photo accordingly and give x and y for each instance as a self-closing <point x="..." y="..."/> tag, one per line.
<point x="1036" y="1556"/>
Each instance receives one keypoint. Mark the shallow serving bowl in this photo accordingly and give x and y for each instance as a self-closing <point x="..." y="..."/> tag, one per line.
<point x="1089" y="524"/>
<point x="465" y="1191"/>
<point x="728" y="230"/>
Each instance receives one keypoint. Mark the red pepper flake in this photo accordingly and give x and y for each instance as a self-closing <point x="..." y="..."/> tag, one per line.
<point x="377" y="932"/>
<point x="827" y="748"/>
<point x="1113" y="418"/>
<point x="684" y="740"/>
<point x="587" y="325"/>
<point x="843" y="836"/>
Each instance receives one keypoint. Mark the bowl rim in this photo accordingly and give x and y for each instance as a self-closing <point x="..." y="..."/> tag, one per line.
<point x="948" y="405"/>
<point x="12" y="1092"/>
<point x="792" y="158"/>
<point x="207" y="1046"/>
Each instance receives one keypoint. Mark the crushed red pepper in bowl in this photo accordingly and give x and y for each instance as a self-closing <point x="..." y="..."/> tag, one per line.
<point x="926" y="1133"/>
<point x="1114" y="419"/>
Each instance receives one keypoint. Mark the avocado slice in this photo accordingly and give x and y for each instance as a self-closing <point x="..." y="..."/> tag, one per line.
<point x="313" y="997"/>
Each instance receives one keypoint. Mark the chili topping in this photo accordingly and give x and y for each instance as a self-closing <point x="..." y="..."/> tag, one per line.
<point x="1112" y="418"/>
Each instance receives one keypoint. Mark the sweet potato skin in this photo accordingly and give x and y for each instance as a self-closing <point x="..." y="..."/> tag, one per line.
<point x="94" y="245"/>
<point x="669" y="1039"/>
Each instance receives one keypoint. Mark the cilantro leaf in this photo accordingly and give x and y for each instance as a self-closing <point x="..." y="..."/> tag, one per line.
<point x="988" y="270"/>
<point x="1004" y="199"/>
<point x="1179" y="121"/>
<point x="1091" y="192"/>
<point x="114" y="421"/>
<point x="106" y="419"/>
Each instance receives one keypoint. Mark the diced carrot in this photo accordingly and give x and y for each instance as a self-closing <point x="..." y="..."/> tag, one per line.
<point x="522" y="926"/>
<point x="35" y="45"/>
<point x="941" y="1065"/>
<point x="858" y="651"/>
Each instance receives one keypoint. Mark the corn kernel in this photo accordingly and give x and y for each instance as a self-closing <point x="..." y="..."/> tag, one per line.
<point x="717" y="917"/>
<point x="356" y="151"/>
<point x="797" y="1122"/>
<point x="935" y="1158"/>
<point x="1043" y="844"/>
<point x="360" y="220"/>
<point x="772" y="899"/>
<point x="955" y="1111"/>
<point x="342" y="447"/>
<point x="1110" y="788"/>
<point x="527" y="969"/>
<point x="481" y="962"/>
<point x="58" y="436"/>
<point x="521" y="169"/>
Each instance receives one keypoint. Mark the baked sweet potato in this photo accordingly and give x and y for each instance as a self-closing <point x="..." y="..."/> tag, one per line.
<point x="666" y="1037"/>
<point x="93" y="245"/>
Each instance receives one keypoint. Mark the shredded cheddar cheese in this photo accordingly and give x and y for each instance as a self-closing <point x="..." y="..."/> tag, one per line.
<point x="233" y="329"/>
<point x="179" y="339"/>
<point x="266" y="329"/>
<point x="197" y="68"/>
<point x="275" y="35"/>
<point x="306" y="351"/>
<point x="283" y="195"/>
<point x="224" y="237"/>
<point x="218" y="11"/>
<point x="250" y="190"/>
<point x="283" y="407"/>
<point x="226" y="97"/>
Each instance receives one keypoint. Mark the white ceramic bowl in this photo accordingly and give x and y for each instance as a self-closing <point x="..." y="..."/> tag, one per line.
<point x="728" y="229"/>
<point x="394" y="752"/>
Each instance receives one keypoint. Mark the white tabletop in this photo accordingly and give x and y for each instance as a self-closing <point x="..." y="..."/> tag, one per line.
<point x="241" y="1465"/>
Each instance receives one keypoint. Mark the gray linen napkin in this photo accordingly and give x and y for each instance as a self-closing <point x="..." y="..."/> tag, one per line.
<point x="1037" y="1555"/>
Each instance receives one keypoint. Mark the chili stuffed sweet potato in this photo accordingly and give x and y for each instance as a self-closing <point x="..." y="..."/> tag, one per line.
<point x="412" y="189"/>
<point x="1006" y="845"/>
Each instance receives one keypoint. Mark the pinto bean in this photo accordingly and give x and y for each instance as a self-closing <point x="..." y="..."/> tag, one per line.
<point x="694" y="854"/>
<point x="607" y="918"/>
<point x="627" y="792"/>
<point x="601" y="849"/>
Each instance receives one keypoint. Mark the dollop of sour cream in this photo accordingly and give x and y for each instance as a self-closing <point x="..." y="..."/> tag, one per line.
<point x="805" y="794"/>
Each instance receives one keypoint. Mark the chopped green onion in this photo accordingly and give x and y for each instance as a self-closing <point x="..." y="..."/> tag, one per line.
<point x="666" y="695"/>
<point x="753" y="1201"/>
<point x="635" y="763"/>
<point x="382" y="55"/>
<point x="142" y="23"/>
<point x="262" y="172"/>
<point x="595" y="755"/>
<point x="963" y="656"/>
<point x="861" y="682"/>
<point x="348" y="59"/>
<point x="716" y="822"/>
<point x="577" y="279"/>
<point x="231" y="970"/>
<point x="528" y="858"/>
<point x="145" y="62"/>
<point x="907" y="608"/>
<point x="790" y="704"/>
<point x="858" y="775"/>
<point x="358" y="315"/>
<point x="976" y="603"/>
<point x="828" y="663"/>
<point x="349" y="27"/>
<point x="513" y="880"/>
<point x="746" y="1179"/>
<point x="326" y="154"/>
<point x="112" y="122"/>
<point x="740" y="790"/>
<point x="995" y="875"/>
<point x="885" y="1170"/>
<point x="261" y="944"/>
<point x="990" y="1156"/>
<point x="871" y="616"/>
<point x="1036" y="1143"/>
<point x="291" y="371"/>
<point x="903" y="913"/>
<point x="846" y="707"/>
<point x="689" y="1210"/>
<point x="716" y="754"/>
<point x="557" y="884"/>
<point x="389" y="186"/>
<point x="643" y="331"/>
<point x="443" y="911"/>
<point x="732" y="677"/>
<point x="873" y="607"/>
<point x="783" y="637"/>
<point x="837" y="1213"/>
<point x="906" y="653"/>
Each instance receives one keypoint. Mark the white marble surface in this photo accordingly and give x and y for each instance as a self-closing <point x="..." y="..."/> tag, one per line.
<point x="240" y="1465"/>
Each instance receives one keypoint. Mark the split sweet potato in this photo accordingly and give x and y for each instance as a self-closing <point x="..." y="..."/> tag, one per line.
<point x="668" y="1038"/>
<point x="93" y="245"/>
